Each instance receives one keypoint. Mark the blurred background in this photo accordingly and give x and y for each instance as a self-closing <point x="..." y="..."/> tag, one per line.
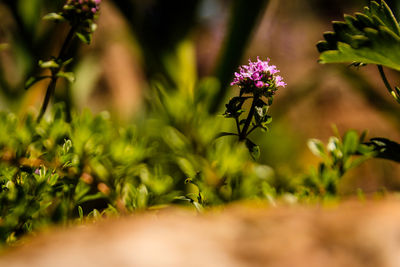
<point x="182" y="42"/>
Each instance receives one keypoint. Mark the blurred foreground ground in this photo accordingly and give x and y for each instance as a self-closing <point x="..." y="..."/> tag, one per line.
<point x="351" y="234"/>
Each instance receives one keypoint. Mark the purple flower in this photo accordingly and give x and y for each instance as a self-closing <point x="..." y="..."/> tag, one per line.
<point x="258" y="75"/>
<point x="83" y="6"/>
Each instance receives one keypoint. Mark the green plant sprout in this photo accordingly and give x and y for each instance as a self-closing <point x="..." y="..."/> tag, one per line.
<point x="338" y="156"/>
<point x="80" y="14"/>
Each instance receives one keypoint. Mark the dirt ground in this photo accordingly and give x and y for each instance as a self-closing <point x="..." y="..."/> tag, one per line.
<point x="350" y="234"/>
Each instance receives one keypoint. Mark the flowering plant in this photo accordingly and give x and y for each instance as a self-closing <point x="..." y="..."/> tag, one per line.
<point x="80" y="14"/>
<point x="257" y="81"/>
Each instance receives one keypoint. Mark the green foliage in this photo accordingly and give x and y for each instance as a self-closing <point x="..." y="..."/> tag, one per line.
<point x="55" y="171"/>
<point x="385" y="148"/>
<point x="339" y="156"/>
<point x="369" y="37"/>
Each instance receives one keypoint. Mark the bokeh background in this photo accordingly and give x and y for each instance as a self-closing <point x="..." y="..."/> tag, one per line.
<point x="185" y="41"/>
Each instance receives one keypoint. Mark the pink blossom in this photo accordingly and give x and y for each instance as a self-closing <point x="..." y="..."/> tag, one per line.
<point x="259" y="84"/>
<point x="258" y="74"/>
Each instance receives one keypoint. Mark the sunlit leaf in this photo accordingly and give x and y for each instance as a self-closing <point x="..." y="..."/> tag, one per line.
<point x="69" y="76"/>
<point x="52" y="64"/>
<point x="32" y="80"/>
<point x="316" y="147"/>
<point x="369" y="37"/>
<point x="253" y="149"/>
<point x="84" y="37"/>
<point x="54" y="17"/>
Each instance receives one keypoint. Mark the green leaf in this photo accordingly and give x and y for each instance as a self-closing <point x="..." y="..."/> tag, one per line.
<point x="186" y="166"/>
<point x="370" y="37"/>
<point x="234" y="107"/>
<point x="70" y="76"/>
<point x="80" y="211"/>
<point x="222" y="134"/>
<point x="253" y="149"/>
<point x="52" y="64"/>
<point x="32" y="80"/>
<point x="316" y="147"/>
<point x="91" y="197"/>
<point x="350" y="142"/>
<point x="93" y="27"/>
<point x="67" y="62"/>
<point x="198" y="206"/>
<point x="84" y="37"/>
<point x="54" y="17"/>
<point x="385" y="148"/>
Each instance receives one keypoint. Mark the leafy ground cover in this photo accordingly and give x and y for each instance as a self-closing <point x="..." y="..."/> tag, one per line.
<point x="63" y="166"/>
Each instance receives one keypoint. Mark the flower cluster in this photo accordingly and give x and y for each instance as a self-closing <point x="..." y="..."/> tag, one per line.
<point x="258" y="76"/>
<point x="81" y="14"/>
<point x="85" y="8"/>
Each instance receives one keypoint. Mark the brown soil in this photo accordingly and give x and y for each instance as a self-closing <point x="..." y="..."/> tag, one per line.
<point x="350" y="234"/>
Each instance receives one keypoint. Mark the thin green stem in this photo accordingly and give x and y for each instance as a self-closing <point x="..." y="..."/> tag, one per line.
<point x="66" y="44"/>
<point x="237" y="125"/>
<point x="252" y="129"/>
<point x="384" y="79"/>
<point x="49" y="92"/>
<point x="52" y="85"/>
<point x="244" y="133"/>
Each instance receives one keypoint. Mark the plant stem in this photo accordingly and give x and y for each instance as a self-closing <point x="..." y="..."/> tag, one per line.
<point x="384" y="79"/>
<point x="237" y="125"/>
<point x="66" y="44"/>
<point x="52" y="85"/>
<point x="252" y="129"/>
<point x="244" y="134"/>
<point x="49" y="92"/>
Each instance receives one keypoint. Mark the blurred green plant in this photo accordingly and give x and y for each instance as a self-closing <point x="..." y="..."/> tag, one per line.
<point x="71" y="168"/>
<point x="20" y="26"/>
<point x="81" y="16"/>
<point x="339" y="156"/>
<point x="58" y="172"/>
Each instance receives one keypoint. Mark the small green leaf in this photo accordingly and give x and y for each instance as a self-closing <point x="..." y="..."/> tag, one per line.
<point x="198" y="206"/>
<point x="222" y="134"/>
<point x="385" y="148"/>
<point x="334" y="147"/>
<point x="67" y="75"/>
<point x="234" y="107"/>
<point x="316" y="147"/>
<point x="253" y="149"/>
<point x="84" y="37"/>
<point x="54" y="17"/>
<point x="67" y="62"/>
<point x="80" y="211"/>
<point x="350" y="142"/>
<point x="51" y="64"/>
<point x="91" y="197"/>
<point x="93" y="27"/>
<point x="32" y="80"/>
<point x="68" y="7"/>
